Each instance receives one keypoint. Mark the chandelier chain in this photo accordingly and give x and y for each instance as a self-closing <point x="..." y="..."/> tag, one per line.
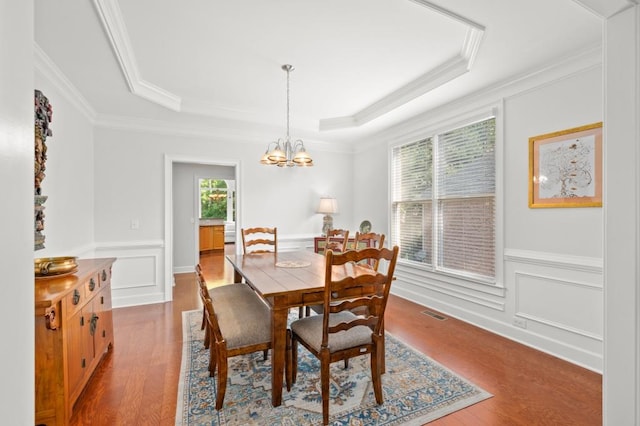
<point x="288" y="72"/>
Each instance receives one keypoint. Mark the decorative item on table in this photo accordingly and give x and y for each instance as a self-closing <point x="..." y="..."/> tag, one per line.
<point x="48" y="267"/>
<point x="43" y="115"/>
<point x="286" y="152"/>
<point x="327" y="207"/>
<point x="365" y="227"/>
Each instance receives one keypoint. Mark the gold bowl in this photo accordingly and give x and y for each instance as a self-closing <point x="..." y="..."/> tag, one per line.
<point x="55" y="266"/>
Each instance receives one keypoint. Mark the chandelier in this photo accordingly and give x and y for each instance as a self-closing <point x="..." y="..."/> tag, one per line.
<point x="285" y="152"/>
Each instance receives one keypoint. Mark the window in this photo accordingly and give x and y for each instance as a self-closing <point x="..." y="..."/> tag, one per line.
<point x="213" y="199"/>
<point x="443" y="201"/>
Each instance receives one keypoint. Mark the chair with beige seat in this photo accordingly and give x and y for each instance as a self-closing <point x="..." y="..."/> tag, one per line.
<point x="339" y="334"/>
<point x="238" y="322"/>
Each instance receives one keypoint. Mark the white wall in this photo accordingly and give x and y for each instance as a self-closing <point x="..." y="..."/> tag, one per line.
<point x="621" y="385"/>
<point x="129" y="182"/>
<point x="551" y="274"/>
<point x="16" y="216"/>
<point x="370" y="188"/>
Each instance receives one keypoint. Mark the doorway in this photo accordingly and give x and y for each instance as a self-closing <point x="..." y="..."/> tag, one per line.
<point x="181" y="251"/>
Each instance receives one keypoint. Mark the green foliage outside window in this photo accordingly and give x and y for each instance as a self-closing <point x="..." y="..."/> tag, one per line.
<point x="213" y="199"/>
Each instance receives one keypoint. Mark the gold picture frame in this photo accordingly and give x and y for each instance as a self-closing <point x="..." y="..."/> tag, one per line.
<point x="565" y="168"/>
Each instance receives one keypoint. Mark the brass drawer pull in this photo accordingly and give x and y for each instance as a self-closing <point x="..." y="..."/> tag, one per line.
<point x="50" y="318"/>
<point x="94" y="324"/>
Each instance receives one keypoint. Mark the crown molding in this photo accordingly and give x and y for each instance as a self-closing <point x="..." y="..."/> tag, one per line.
<point x="584" y="60"/>
<point x="111" y="18"/>
<point x="450" y="69"/>
<point x="238" y="132"/>
<point x="113" y="23"/>
<point x="51" y="72"/>
<point x="606" y="8"/>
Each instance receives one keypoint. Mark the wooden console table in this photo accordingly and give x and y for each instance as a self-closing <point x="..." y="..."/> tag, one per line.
<point x="74" y="329"/>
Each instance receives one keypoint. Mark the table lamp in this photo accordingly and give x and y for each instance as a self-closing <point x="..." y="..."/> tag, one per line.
<point x="327" y="207"/>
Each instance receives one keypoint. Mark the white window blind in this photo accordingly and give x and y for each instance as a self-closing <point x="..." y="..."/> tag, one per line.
<point x="443" y="200"/>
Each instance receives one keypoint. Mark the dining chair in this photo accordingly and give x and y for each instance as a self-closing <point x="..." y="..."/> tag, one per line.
<point x="338" y="333"/>
<point x="260" y="240"/>
<point x="369" y="239"/>
<point x="238" y="323"/>
<point x="228" y="293"/>
<point x="337" y="240"/>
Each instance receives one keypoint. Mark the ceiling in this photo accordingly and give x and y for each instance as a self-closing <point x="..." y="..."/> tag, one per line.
<point x="360" y="65"/>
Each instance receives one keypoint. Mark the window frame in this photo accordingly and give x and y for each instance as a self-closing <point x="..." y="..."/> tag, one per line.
<point x="423" y="133"/>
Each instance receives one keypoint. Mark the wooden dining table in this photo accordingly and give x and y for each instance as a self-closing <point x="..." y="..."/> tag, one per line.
<point x="285" y="280"/>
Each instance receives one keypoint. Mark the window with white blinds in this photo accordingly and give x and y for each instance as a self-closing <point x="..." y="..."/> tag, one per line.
<point x="443" y="201"/>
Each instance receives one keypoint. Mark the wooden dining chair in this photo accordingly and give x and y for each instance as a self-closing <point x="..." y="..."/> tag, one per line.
<point x="227" y="293"/>
<point x="337" y="240"/>
<point x="338" y="333"/>
<point x="369" y="239"/>
<point x="238" y="323"/>
<point x="259" y="240"/>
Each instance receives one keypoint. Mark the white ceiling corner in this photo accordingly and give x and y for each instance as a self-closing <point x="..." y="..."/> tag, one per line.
<point x="606" y="8"/>
<point x="111" y="17"/>
<point x="435" y="77"/>
<point x="46" y="66"/>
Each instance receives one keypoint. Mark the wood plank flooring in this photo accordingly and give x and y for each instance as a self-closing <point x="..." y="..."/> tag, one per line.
<point x="136" y="384"/>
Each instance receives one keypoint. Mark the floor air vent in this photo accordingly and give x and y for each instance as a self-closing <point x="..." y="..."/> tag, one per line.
<point x="435" y="315"/>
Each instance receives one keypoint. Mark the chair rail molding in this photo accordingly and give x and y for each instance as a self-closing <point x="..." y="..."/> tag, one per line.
<point x="555" y="260"/>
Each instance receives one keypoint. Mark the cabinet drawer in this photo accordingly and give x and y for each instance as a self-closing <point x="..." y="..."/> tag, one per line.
<point x="75" y="300"/>
<point x="92" y="286"/>
<point x="105" y="277"/>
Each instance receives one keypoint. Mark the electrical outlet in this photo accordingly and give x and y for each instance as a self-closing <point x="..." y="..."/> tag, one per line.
<point x="520" y="322"/>
<point x="135" y="224"/>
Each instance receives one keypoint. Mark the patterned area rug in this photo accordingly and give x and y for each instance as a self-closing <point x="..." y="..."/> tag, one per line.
<point x="416" y="388"/>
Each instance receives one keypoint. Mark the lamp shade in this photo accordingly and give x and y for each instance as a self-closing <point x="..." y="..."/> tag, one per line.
<point x="327" y="205"/>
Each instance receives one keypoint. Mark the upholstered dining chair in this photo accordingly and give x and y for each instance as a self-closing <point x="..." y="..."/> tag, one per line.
<point x="260" y="240"/>
<point x="228" y="336"/>
<point x="338" y="333"/>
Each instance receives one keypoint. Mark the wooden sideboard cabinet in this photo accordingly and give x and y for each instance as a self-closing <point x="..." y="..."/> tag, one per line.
<point x="73" y="330"/>
<point x="211" y="237"/>
<point x="320" y="242"/>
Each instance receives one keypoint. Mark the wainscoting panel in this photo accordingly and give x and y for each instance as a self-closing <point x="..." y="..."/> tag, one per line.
<point x="551" y="302"/>
<point x="572" y="306"/>
<point x="559" y="298"/>
<point x="137" y="273"/>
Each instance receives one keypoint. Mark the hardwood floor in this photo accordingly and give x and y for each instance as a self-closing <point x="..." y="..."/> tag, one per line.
<point x="136" y="384"/>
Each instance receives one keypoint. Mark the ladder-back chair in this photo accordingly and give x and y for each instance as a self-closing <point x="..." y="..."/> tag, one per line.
<point x="338" y="333"/>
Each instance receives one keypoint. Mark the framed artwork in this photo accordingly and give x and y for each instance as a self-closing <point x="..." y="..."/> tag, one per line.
<point x="565" y="168"/>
